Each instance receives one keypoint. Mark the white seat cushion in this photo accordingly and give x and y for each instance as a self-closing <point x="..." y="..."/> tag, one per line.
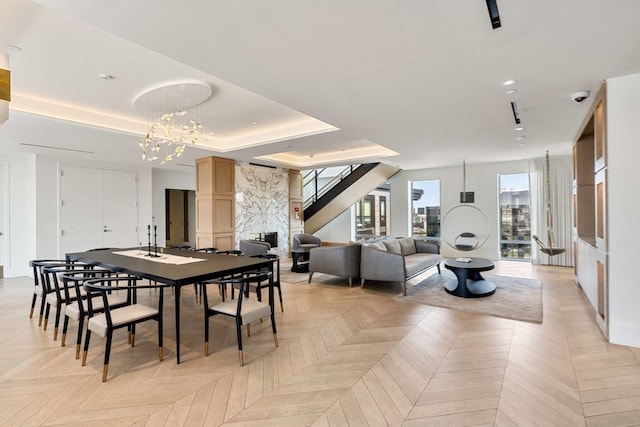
<point x="120" y="316"/>
<point x="52" y="297"/>
<point x="38" y="290"/>
<point x="251" y="310"/>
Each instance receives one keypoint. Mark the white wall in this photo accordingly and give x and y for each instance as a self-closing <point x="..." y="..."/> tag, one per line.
<point x="21" y="221"/>
<point x="33" y="206"/>
<point x="623" y="208"/>
<point x="480" y="178"/>
<point x="340" y="230"/>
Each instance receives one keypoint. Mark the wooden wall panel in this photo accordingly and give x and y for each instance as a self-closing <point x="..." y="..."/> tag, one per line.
<point x="223" y="214"/>
<point x="204" y="176"/>
<point x="204" y="213"/>
<point x="224" y="176"/>
<point x="215" y="203"/>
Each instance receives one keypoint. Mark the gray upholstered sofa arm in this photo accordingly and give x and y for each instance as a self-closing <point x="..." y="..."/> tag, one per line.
<point x="341" y="261"/>
<point x="427" y="247"/>
<point x="381" y="265"/>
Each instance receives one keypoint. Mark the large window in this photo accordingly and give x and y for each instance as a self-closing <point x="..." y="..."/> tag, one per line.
<point x="425" y="209"/>
<point x="365" y="216"/>
<point x="515" y="227"/>
<point x="372" y="214"/>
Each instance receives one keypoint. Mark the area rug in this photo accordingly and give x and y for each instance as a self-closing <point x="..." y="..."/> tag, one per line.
<point x="515" y="298"/>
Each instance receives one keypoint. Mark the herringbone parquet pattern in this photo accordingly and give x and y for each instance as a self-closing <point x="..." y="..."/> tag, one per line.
<point x="346" y="357"/>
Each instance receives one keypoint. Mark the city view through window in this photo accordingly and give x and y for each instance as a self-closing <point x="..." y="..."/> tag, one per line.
<point x="425" y="209"/>
<point x="515" y="225"/>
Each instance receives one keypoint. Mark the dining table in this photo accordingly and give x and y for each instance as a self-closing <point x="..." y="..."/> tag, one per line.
<point x="173" y="267"/>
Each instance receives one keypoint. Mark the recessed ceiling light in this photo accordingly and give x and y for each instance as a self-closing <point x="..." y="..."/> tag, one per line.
<point x="106" y="76"/>
<point x="508" y="82"/>
<point x="511" y="91"/>
<point x="519" y="128"/>
<point x="254" y="123"/>
<point x="521" y="138"/>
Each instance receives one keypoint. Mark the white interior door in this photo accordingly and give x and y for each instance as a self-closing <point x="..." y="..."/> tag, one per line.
<point x="119" y="209"/>
<point x="80" y="210"/>
<point x="98" y="208"/>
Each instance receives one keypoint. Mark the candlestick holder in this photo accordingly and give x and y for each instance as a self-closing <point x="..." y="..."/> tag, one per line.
<point x="148" y="240"/>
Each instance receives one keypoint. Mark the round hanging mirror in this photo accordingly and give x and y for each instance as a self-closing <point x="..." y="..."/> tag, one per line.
<point x="465" y="228"/>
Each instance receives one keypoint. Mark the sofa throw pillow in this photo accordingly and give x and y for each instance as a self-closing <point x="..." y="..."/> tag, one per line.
<point x="407" y="245"/>
<point x="393" y="246"/>
<point x="377" y="245"/>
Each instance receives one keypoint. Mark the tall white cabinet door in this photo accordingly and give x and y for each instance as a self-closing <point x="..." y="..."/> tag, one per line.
<point x="98" y="208"/>
<point x="119" y="209"/>
<point x="80" y="209"/>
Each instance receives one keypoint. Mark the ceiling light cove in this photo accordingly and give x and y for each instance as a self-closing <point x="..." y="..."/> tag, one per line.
<point x="256" y="134"/>
<point x="55" y="109"/>
<point x="360" y="150"/>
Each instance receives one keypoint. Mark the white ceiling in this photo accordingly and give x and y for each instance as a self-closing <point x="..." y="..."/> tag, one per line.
<point x="415" y="83"/>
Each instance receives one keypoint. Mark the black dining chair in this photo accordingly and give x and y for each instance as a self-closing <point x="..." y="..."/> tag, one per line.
<point x="243" y="309"/>
<point x="58" y="290"/>
<point x="40" y="289"/>
<point x="258" y="286"/>
<point x="78" y="310"/>
<point x="222" y="287"/>
<point x="208" y="250"/>
<point x="106" y="322"/>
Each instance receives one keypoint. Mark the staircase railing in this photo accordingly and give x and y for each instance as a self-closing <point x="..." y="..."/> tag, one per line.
<point x="317" y="182"/>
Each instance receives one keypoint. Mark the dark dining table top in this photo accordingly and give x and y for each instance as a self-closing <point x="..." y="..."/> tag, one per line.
<point x="213" y="266"/>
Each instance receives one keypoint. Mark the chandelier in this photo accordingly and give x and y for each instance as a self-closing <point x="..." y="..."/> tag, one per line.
<point x="176" y="136"/>
<point x="172" y="110"/>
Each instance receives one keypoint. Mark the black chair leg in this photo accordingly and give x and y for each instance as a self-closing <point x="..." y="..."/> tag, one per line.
<point x="79" y="337"/>
<point x="57" y="321"/>
<point x="107" y="353"/>
<point x="132" y="335"/>
<point x="87" y="338"/>
<point x="42" y="306"/>
<point x="206" y="318"/>
<point x="65" y="326"/>
<point x="280" y="297"/>
<point x="33" y="306"/>
<point x="46" y="317"/>
<point x="160" y="325"/>
<point x="239" y="333"/>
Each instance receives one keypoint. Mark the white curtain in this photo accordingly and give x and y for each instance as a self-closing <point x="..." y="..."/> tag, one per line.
<point x="560" y="199"/>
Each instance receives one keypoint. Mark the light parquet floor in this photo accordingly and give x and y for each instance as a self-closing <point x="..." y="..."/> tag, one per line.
<point x="346" y="357"/>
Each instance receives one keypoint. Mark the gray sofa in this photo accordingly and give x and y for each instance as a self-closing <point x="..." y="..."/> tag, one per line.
<point x="397" y="260"/>
<point x="343" y="261"/>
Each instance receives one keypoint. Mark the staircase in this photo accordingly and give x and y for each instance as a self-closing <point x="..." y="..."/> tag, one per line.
<point x="329" y="192"/>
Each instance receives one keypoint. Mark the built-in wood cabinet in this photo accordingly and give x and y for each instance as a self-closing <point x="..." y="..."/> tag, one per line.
<point x="590" y="209"/>
<point x="215" y="203"/>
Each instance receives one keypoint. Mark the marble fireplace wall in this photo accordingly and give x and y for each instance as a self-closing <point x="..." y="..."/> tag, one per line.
<point x="262" y="204"/>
